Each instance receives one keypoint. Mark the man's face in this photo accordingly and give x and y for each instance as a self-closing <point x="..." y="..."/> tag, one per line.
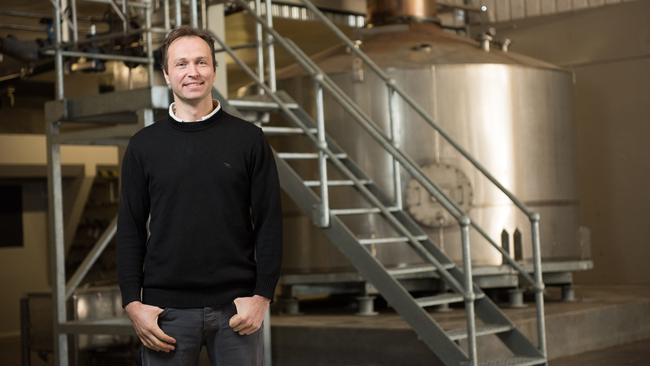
<point x="190" y="73"/>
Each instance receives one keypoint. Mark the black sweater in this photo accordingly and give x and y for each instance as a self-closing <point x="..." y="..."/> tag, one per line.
<point x="215" y="233"/>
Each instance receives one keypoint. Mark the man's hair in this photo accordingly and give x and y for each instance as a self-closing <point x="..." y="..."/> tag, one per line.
<point x="186" y="31"/>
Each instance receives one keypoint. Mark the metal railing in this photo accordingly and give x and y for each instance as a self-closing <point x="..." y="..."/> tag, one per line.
<point x="323" y="82"/>
<point x="533" y="217"/>
<point x="401" y="159"/>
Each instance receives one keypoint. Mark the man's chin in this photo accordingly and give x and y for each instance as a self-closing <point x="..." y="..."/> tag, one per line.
<point x="192" y="98"/>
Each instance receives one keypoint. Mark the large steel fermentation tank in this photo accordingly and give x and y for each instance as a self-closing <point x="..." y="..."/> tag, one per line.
<point x="512" y="113"/>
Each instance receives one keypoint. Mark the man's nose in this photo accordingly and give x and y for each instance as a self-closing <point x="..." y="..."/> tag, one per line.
<point x="193" y="69"/>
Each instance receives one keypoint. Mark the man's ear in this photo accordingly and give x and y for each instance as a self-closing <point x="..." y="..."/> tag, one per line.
<point x="166" y="76"/>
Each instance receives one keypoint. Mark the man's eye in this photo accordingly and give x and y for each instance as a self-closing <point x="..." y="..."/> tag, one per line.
<point x="182" y="64"/>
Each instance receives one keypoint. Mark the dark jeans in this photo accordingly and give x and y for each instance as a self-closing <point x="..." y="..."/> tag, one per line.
<point x="193" y="328"/>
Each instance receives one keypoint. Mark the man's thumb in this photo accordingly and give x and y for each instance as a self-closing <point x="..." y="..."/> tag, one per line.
<point x="234" y="321"/>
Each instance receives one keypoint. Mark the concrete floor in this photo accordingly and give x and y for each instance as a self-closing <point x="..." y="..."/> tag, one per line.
<point x="613" y="321"/>
<point x="632" y="354"/>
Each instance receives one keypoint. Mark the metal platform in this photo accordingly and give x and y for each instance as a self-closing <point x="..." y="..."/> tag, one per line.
<point x="105" y="119"/>
<point x="504" y="276"/>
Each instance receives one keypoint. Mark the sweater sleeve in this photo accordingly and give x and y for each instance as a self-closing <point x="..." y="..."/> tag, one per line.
<point x="132" y="227"/>
<point x="267" y="217"/>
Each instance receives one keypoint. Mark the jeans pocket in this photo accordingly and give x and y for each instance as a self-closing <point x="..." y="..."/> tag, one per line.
<point x="163" y="314"/>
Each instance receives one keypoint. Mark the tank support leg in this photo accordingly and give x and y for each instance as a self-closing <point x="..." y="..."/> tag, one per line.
<point x="442" y="308"/>
<point x="568" y="293"/>
<point x="290" y="303"/>
<point x="516" y="298"/>
<point x="366" y="305"/>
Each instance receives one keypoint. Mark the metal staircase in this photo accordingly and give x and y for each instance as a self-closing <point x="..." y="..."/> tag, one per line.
<point x="478" y="307"/>
<point x="443" y="343"/>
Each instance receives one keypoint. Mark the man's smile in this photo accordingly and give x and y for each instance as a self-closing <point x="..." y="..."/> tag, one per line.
<point x="194" y="83"/>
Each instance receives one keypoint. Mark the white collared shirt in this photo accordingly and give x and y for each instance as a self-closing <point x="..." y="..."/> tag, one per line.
<point x="215" y="105"/>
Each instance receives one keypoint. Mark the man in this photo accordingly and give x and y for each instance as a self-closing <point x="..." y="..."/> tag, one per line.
<point x="204" y="270"/>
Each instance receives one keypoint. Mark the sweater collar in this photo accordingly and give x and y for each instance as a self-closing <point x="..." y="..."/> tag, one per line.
<point x="216" y="106"/>
<point x="205" y="122"/>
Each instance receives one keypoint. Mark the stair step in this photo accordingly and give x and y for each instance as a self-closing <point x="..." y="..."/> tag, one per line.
<point x="335" y="183"/>
<point x="258" y="105"/>
<point x="512" y="361"/>
<point x="418" y="269"/>
<point x="398" y="239"/>
<point x="359" y="211"/>
<point x="446" y="298"/>
<point x="274" y="131"/>
<point x="481" y="330"/>
<point x="305" y="156"/>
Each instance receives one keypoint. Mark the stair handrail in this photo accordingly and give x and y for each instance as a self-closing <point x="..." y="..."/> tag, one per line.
<point x="322" y="80"/>
<point x="449" y="205"/>
<point x="406" y="162"/>
<point x="534" y="217"/>
<point x="410" y="166"/>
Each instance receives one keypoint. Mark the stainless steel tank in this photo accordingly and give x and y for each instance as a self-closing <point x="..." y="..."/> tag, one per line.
<point x="511" y="112"/>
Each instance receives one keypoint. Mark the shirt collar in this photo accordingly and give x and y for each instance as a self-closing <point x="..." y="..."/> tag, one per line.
<point x="216" y="106"/>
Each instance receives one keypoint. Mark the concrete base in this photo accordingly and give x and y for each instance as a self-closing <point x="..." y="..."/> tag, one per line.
<point x="600" y="317"/>
<point x="629" y="354"/>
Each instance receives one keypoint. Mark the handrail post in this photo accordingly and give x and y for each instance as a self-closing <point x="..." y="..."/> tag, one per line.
<point x="395" y="129"/>
<point x="324" y="210"/>
<point x="204" y="14"/>
<point x="260" y="46"/>
<point x="178" y="13"/>
<point x="149" y="41"/>
<point x="270" y="48"/>
<point x="469" y="289"/>
<point x="75" y="25"/>
<point x="194" y="16"/>
<point x="166" y="15"/>
<point x="539" y="283"/>
<point x="55" y="209"/>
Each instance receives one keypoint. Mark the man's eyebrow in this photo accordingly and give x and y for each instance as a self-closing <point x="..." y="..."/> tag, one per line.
<point x="185" y="59"/>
